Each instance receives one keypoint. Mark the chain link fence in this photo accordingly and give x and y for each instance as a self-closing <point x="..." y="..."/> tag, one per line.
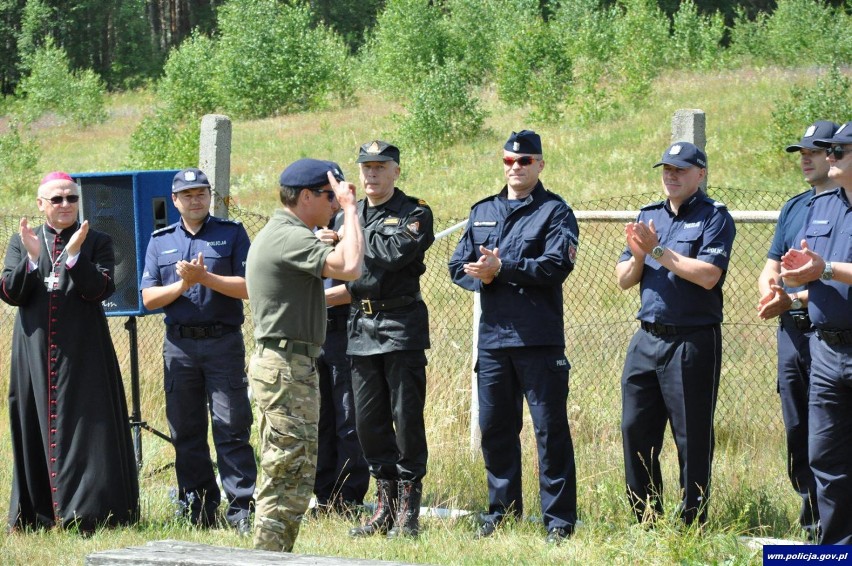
<point x="599" y="321"/>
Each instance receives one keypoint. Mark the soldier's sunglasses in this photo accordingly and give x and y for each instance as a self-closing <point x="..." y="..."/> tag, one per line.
<point x="329" y="194"/>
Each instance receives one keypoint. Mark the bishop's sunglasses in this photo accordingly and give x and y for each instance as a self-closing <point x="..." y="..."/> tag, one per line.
<point x="836" y="151"/>
<point x="523" y="160"/>
<point x="57" y="200"/>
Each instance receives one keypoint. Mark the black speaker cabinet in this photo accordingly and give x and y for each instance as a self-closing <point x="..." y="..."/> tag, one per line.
<point x="128" y="206"/>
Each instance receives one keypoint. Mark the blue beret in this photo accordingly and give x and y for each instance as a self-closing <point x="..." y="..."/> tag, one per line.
<point x="683" y="154"/>
<point x="309" y="173"/>
<point x="525" y="141"/>
<point x="821" y="129"/>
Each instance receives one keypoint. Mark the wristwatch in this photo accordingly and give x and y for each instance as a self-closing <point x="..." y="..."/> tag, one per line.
<point x="827" y="272"/>
<point x="797" y="302"/>
<point x="658" y="251"/>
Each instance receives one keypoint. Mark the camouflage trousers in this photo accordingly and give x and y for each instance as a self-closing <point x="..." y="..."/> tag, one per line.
<point x="287" y="396"/>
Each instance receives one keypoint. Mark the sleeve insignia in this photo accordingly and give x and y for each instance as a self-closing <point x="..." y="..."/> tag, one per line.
<point x="414" y="227"/>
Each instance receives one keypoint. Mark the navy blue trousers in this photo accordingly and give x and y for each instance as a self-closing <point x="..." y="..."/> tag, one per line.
<point x="670" y="379"/>
<point x="209" y="375"/>
<point x="342" y="473"/>
<point x="794" y="366"/>
<point x="505" y="377"/>
<point x="390" y="394"/>
<point x="830" y="438"/>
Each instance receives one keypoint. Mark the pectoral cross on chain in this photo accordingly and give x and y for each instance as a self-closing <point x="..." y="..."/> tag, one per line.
<point x="52" y="281"/>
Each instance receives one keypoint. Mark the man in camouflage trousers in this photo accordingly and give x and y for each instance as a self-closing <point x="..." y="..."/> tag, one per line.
<point x="284" y="271"/>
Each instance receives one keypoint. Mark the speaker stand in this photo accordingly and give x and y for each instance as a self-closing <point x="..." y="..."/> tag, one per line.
<point x="136" y="422"/>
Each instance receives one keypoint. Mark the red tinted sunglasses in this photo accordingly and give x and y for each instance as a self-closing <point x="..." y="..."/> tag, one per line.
<point x="523" y="160"/>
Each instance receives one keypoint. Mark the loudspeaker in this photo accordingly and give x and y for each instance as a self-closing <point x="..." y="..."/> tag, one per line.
<point x="128" y="206"/>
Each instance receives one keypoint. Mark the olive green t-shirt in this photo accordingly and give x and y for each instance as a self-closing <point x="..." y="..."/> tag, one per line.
<point x="284" y="281"/>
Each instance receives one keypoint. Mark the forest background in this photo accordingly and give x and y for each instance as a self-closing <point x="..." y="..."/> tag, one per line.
<point x="121" y="85"/>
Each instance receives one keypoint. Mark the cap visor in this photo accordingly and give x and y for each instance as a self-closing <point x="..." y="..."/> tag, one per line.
<point x="368" y="158"/>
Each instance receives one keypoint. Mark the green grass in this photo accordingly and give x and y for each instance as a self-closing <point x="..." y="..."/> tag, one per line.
<point x="751" y="495"/>
<point x="584" y="162"/>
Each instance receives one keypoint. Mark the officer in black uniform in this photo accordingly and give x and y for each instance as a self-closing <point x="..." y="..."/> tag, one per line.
<point x="678" y="252"/>
<point x="195" y="272"/>
<point x="388" y="335"/>
<point x="789" y="304"/>
<point x="342" y="476"/>
<point x="519" y="247"/>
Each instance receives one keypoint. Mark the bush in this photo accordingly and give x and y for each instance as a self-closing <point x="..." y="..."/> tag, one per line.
<point x="748" y="37"/>
<point x="475" y="30"/>
<point x="18" y="162"/>
<point x="50" y="86"/>
<point x="442" y="111"/>
<point x="409" y="40"/>
<point x="805" y="28"/>
<point x="271" y="59"/>
<point x="534" y="70"/>
<point x="189" y="84"/>
<point x="829" y="99"/>
<point x="697" y="39"/>
<point x="164" y="141"/>
<point x="589" y="27"/>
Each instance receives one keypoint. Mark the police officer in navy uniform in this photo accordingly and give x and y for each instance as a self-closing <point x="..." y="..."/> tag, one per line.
<point x="195" y="272"/>
<point x="517" y="250"/>
<point x="794" y="328"/>
<point x="388" y="335"/>
<point x="342" y="476"/>
<point x="823" y="261"/>
<point x="677" y="251"/>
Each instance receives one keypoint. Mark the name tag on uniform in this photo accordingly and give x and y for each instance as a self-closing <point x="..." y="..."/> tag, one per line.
<point x="391" y="221"/>
<point x="485" y="223"/>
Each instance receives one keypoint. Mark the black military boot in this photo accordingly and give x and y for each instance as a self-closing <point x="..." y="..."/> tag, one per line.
<point x="407" y="510"/>
<point x="382" y="519"/>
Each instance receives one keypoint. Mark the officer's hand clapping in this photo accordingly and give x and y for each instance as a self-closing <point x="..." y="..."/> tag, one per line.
<point x="801" y="266"/>
<point x="642" y="237"/>
<point x="194" y="271"/>
<point x="773" y="303"/>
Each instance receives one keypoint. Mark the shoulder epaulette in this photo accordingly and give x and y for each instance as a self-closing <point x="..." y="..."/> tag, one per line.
<point x="655" y="204"/>
<point x="417" y="201"/>
<point x="226" y="221"/>
<point x="165" y="230"/>
<point x="719" y="204"/>
<point x="555" y="195"/>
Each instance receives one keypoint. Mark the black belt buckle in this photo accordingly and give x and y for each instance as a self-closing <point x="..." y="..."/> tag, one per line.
<point x="801" y="321"/>
<point x="658" y="329"/>
<point x="198" y="332"/>
<point x="366" y="306"/>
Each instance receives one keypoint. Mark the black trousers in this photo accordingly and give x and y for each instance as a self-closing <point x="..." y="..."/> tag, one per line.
<point x="794" y="366"/>
<point x="390" y="393"/>
<point x="830" y="449"/>
<point x="672" y="379"/>
<point x="341" y="468"/>
<point x="504" y="378"/>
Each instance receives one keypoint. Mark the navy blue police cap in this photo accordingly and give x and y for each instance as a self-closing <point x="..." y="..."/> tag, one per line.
<point x="683" y="154"/>
<point x="525" y="141"/>
<point x="842" y="136"/>
<point x="821" y="129"/>
<point x="309" y="173"/>
<point x="190" y="178"/>
<point x="378" y="150"/>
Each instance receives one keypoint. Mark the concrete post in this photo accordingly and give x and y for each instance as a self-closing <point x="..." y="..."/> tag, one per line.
<point x="690" y="125"/>
<point x="214" y="158"/>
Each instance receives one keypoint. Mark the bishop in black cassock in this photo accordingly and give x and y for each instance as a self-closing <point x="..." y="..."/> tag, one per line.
<point x="73" y="457"/>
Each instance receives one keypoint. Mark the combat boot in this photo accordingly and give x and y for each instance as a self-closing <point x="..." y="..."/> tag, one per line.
<point x="382" y="519"/>
<point x="407" y="522"/>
